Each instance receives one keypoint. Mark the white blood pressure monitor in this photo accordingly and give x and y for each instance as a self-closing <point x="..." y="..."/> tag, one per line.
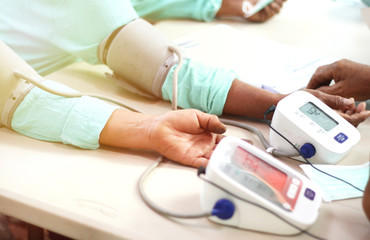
<point x="256" y="176"/>
<point x="314" y="128"/>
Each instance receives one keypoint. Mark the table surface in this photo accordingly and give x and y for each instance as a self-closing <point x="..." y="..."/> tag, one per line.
<point x="87" y="194"/>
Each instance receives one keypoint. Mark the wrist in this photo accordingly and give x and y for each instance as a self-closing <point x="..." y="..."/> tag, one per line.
<point x="127" y="130"/>
<point x="278" y="97"/>
<point x="231" y="8"/>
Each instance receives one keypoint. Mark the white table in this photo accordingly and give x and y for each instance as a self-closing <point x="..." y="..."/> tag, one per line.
<point x="93" y="194"/>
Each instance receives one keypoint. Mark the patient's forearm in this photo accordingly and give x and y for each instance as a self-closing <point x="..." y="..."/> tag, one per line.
<point x="247" y="100"/>
<point x="126" y="129"/>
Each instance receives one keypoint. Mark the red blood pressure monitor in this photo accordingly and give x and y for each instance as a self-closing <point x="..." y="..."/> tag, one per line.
<point x="268" y="195"/>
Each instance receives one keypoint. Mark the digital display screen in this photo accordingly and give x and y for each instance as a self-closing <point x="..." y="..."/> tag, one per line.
<point x="262" y="178"/>
<point x="318" y="116"/>
<point x="273" y="176"/>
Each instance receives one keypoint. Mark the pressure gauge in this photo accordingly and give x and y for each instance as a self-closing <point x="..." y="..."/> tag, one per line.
<point x="267" y="190"/>
<point x="321" y="134"/>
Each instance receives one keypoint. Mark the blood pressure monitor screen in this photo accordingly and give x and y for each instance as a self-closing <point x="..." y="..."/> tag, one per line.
<point x="318" y="116"/>
<point x="264" y="179"/>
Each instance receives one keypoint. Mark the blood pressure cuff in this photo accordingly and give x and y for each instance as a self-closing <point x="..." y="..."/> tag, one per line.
<point x="12" y="89"/>
<point x="75" y="121"/>
<point x="142" y="62"/>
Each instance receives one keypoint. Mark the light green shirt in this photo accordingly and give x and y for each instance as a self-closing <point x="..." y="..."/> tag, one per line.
<point x="200" y="86"/>
<point x="203" y="10"/>
<point x="75" y="121"/>
<point x="50" y="34"/>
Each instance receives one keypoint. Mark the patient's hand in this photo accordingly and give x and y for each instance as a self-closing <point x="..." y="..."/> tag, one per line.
<point x="356" y="116"/>
<point x="268" y="12"/>
<point x="344" y="106"/>
<point x="186" y="136"/>
<point x="235" y="8"/>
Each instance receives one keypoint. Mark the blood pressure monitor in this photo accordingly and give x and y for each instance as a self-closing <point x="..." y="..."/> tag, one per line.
<point x="320" y="133"/>
<point x="276" y="190"/>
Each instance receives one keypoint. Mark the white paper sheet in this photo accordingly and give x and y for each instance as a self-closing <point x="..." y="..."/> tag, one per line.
<point x="366" y="14"/>
<point x="258" y="61"/>
<point x="334" y="189"/>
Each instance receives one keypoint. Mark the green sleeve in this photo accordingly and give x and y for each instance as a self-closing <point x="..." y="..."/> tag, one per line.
<point x="74" y="121"/>
<point x="52" y="34"/>
<point x="203" y="10"/>
<point x="200" y="86"/>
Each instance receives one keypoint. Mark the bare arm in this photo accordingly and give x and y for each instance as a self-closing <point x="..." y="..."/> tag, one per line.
<point x="246" y="100"/>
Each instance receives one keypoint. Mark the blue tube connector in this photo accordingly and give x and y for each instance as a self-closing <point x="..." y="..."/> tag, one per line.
<point x="223" y="209"/>
<point x="307" y="150"/>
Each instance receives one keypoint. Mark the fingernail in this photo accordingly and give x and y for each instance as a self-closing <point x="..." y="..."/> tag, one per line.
<point x="221" y="129"/>
<point x="349" y="101"/>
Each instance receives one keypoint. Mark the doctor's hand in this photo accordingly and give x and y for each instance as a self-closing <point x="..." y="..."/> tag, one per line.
<point x="344" y="106"/>
<point x="235" y="8"/>
<point x="351" y="79"/>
